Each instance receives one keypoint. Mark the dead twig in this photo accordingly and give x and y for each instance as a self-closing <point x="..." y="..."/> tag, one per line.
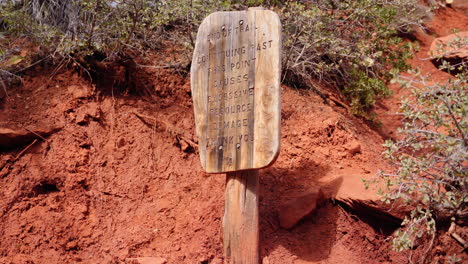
<point x="59" y="67"/>
<point x="4" y="88"/>
<point x="458" y="238"/>
<point x="77" y="63"/>
<point x="41" y="137"/>
<point x="24" y="150"/>
<point x="6" y="167"/>
<point x="337" y="101"/>
<point x="31" y="65"/>
<point x="166" y="66"/>
<point x="145" y="119"/>
<point x="7" y="73"/>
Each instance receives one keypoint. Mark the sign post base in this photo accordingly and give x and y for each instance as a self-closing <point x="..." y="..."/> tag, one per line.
<point x="240" y="222"/>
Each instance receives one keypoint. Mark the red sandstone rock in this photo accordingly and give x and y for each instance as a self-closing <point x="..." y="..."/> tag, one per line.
<point x="78" y="91"/>
<point x="12" y="138"/>
<point x="446" y="47"/>
<point x="295" y="209"/>
<point x="354" y="147"/>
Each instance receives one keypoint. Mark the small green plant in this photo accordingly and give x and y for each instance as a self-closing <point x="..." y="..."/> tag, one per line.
<point x="430" y="158"/>
<point x="83" y="27"/>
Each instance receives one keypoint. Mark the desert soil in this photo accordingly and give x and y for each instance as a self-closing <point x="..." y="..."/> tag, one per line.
<point x="115" y="176"/>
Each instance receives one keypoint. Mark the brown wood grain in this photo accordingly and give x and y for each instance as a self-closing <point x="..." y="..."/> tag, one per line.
<point x="240" y="222"/>
<point x="235" y="78"/>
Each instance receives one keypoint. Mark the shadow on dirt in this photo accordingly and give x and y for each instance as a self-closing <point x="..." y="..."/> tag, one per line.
<point x="372" y="214"/>
<point x="313" y="237"/>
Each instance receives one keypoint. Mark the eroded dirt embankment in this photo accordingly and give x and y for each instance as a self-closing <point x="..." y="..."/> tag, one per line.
<point x="117" y="176"/>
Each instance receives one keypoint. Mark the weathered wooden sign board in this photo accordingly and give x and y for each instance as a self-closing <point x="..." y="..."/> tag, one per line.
<point x="235" y="78"/>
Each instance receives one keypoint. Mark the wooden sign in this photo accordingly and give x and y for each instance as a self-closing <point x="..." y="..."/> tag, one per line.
<point x="235" y="79"/>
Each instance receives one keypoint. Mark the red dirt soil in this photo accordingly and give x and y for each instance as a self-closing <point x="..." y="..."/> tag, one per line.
<point x="119" y="178"/>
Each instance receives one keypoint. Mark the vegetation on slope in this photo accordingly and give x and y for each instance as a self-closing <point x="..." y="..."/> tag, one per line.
<point x="351" y="45"/>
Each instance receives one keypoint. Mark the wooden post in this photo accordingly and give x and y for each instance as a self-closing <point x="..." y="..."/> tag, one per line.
<point x="240" y="222"/>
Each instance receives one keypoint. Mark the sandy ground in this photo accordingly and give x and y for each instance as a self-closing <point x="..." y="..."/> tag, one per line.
<point x="119" y="177"/>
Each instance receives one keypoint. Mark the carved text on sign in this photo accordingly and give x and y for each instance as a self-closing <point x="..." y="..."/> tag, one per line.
<point x="235" y="85"/>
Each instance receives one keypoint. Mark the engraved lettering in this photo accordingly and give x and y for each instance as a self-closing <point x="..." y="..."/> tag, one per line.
<point x="224" y="32"/>
<point x="232" y="109"/>
<point x="231" y="124"/>
<point x="227" y="81"/>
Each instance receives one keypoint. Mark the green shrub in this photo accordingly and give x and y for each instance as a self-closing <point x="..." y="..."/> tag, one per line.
<point x="353" y="45"/>
<point x="430" y="158"/>
<point x="84" y="27"/>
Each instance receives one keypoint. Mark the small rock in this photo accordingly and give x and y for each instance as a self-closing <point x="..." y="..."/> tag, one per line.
<point x="121" y="142"/>
<point x="88" y="112"/>
<point x="342" y="154"/>
<point x="82" y="118"/>
<point x="146" y="260"/>
<point x="71" y="245"/>
<point x="78" y="92"/>
<point x="184" y="146"/>
<point x="294" y="210"/>
<point x="353" y="147"/>
<point x="93" y="110"/>
<point x="8" y="135"/>
<point x="13" y="138"/>
<point x="439" y="250"/>
<point x="444" y="48"/>
<point x="82" y="210"/>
